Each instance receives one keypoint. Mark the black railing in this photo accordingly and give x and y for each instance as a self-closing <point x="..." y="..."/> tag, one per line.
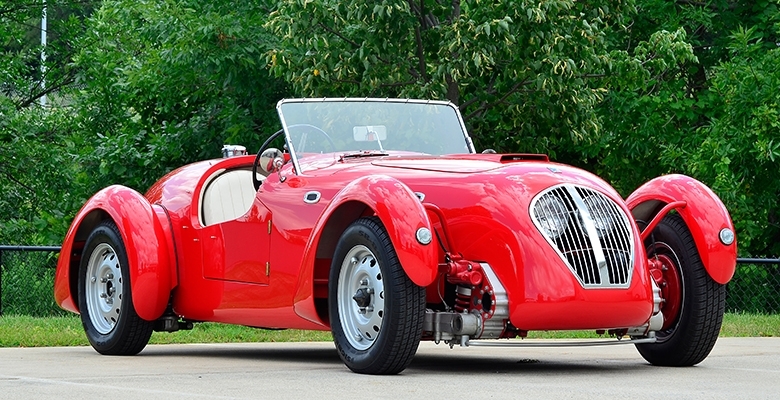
<point x="755" y="287"/>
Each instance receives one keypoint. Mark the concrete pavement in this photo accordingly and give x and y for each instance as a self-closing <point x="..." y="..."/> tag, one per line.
<point x="737" y="368"/>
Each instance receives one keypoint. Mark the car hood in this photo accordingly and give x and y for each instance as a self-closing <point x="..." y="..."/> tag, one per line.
<point x="439" y="165"/>
<point x="525" y="173"/>
<point x="458" y="163"/>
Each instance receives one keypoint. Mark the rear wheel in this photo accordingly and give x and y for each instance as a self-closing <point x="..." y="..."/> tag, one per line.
<point x="376" y="311"/>
<point x="693" y="303"/>
<point x="105" y="300"/>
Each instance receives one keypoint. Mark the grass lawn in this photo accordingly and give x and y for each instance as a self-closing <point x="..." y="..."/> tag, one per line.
<point x="23" y="331"/>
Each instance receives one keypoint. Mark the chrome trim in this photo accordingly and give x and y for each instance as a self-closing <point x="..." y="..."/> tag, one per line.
<point x="598" y="259"/>
<point x="424" y="236"/>
<point x="546" y="343"/>
<point x="316" y="197"/>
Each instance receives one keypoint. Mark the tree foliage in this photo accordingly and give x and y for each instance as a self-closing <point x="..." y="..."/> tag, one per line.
<point x="629" y="89"/>
<point x="165" y="83"/>
<point x="35" y="169"/>
<point x="520" y="71"/>
<point x="739" y="150"/>
<point x="710" y="117"/>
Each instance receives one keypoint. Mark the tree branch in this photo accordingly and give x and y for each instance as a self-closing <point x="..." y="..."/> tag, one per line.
<point x="697" y="4"/>
<point x="484" y="106"/>
<point x="67" y="80"/>
<point x="14" y="180"/>
<point x="339" y="35"/>
<point x="395" y="84"/>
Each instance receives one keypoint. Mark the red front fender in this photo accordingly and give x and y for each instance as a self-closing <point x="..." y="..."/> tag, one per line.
<point x="705" y="215"/>
<point x="402" y="215"/>
<point x="146" y="236"/>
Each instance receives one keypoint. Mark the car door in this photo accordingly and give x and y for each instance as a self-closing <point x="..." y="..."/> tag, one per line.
<point x="238" y="250"/>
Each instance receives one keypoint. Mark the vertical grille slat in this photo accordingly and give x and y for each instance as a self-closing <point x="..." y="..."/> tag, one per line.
<point x="608" y="214"/>
<point x="587" y="210"/>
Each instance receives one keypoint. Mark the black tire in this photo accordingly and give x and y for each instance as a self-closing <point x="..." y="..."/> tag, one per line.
<point x="383" y="338"/>
<point x="689" y="336"/>
<point x="105" y="300"/>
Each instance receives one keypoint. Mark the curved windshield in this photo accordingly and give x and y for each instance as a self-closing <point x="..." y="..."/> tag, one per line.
<point x="372" y="126"/>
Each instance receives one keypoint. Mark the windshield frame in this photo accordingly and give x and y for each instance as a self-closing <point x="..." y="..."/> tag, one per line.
<point x="289" y="142"/>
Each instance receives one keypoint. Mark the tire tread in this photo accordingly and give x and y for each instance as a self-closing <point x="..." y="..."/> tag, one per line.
<point x="705" y="302"/>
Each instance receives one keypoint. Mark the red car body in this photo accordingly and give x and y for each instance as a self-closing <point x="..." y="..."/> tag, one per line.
<point x="269" y="266"/>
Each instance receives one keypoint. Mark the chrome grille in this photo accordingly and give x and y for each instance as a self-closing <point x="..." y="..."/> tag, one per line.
<point x="589" y="231"/>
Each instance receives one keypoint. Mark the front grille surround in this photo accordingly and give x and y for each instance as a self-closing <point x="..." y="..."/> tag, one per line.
<point x="597" y="241"/>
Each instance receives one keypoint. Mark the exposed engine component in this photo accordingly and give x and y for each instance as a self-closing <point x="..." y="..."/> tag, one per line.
<point x="481" y="305"/>
<point x="656" y="322"/>
<point x="452" y="326"/>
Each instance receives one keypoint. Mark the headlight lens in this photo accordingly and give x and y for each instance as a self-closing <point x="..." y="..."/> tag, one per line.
<point x="552" y="216"/>
<point x="599" y="208"/>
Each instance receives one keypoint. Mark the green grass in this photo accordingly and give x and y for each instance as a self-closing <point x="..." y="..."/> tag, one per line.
<point x="23" y="331"/>
<point x="751" y="325"/>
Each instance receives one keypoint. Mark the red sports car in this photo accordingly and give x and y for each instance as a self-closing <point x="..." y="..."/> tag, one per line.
<point x="376" y="219"/>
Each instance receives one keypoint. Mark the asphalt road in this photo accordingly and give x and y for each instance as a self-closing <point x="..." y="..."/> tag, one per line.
<point x="738" y="368"/>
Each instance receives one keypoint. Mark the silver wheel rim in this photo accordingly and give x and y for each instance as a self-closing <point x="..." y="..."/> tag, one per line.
<point x="104" y="288"/>
<point x="360" y="276"/>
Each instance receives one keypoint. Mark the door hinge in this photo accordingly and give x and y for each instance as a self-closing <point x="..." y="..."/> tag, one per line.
<point x="269" y="226"/>
<point x="267" y="268"/>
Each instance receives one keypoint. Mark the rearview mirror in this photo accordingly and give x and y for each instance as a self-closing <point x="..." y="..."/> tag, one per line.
<point x="369" y="133"/>
<point x="271" y="160"/>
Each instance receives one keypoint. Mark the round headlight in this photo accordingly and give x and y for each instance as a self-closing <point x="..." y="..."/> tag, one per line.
<point x="600" y="211"/>
<point x="552" y="216"/>
<point x="727" y="236"/>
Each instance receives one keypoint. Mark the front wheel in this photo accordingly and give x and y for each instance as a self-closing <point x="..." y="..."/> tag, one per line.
<point x="693" y="302"/>
<point x="376" y="311"/>
<point x="105" y="300"/>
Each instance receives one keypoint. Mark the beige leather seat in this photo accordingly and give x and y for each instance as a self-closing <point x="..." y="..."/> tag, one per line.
<point x="228" y="196"/>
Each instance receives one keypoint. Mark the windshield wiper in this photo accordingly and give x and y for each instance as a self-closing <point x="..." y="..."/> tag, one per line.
<point x="365" y="153"/>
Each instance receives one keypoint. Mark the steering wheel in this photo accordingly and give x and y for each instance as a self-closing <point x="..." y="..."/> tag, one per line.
<point x="256" y="182"/>
<point x="315" y="129"/>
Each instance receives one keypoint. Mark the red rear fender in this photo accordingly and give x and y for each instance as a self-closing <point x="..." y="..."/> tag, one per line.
<point x="147" y="238"/>
<point x="704" y="214"/>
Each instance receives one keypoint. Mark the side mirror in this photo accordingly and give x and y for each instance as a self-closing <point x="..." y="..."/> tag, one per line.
<point x="271" y="160"/>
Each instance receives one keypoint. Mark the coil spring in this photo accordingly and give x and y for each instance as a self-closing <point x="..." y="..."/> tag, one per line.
<point x="462" y="298"/>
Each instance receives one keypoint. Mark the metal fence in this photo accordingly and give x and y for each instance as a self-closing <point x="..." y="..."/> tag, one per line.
<point x="755" y="287"/>
<point x="27" y="279"/>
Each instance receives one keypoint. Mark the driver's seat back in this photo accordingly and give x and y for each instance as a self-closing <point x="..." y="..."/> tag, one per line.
<point x="227" y="196"/>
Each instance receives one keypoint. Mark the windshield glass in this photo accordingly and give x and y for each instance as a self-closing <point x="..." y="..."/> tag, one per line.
<point x="371" y="126"/>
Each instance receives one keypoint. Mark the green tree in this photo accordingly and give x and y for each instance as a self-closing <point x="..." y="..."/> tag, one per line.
<point x="739" y="150"/>
<point x="711" y="116"/>
<point x="35" y="171"/>
<point x="165" y="83"/>
<point x="525" y="74"/>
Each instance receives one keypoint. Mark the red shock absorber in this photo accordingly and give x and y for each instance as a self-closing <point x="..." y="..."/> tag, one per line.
<point x="462" y="298"/>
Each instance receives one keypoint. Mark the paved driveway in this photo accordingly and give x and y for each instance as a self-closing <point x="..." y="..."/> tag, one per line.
<point x="746" y="368"/>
